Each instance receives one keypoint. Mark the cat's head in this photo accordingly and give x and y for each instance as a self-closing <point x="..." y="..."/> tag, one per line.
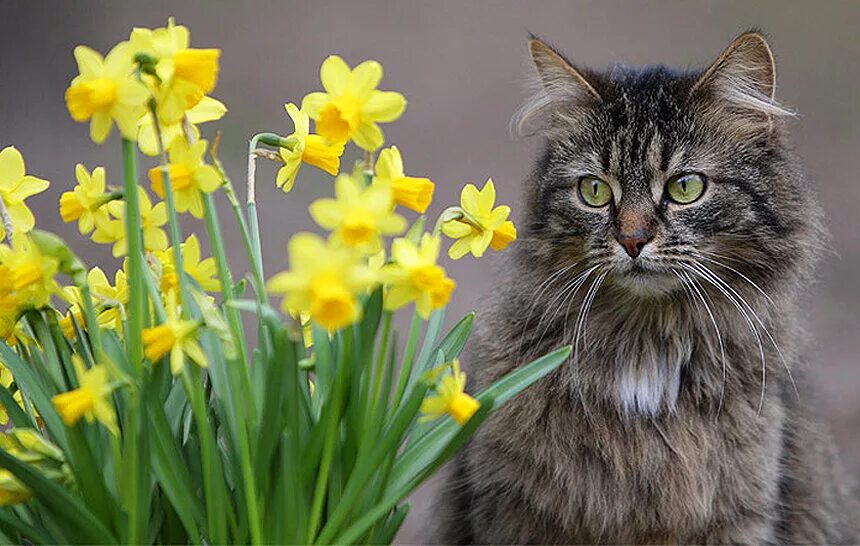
<point x="650" y="173"/>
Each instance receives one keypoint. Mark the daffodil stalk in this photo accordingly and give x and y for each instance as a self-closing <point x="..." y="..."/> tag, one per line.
<point x="137" y="298"/>
<point x="6" y="220"/>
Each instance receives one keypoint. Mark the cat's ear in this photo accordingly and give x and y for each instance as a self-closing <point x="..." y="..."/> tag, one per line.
<point x="560" y="90"/>
<point x="743" y="79"/>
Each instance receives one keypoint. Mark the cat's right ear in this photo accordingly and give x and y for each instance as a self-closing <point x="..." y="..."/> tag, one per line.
<point x="560" y="91"/>
<point x="558" y="75"/>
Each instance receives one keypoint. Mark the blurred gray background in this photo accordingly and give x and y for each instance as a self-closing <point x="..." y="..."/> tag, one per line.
<point x="461" y="65"/>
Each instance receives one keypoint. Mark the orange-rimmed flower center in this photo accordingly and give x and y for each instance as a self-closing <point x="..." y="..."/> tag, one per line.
<point x="358" y="227"/>
<point x="427" y="277"/>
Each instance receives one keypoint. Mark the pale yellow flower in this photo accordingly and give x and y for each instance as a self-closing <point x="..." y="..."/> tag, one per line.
<point x="481" y="225"/>
<point x="185" y="74"/>
<point x="86" y="200"/>
<point x="415" y="276"/>
<point x="450" y="398"/>
<point x="190" y="176"/>
<point x="177" y="337"/>
<point x="306" y="148"/>
<point x="152" y="219"/>
<point x="106" y="91"/>
<point x="359" y="216"/>
<point x="202" y="271"/>
<point x="208" y="109"/>
<point x="351" y="106"/>
<point x="30" y="274"/>
<point x="15" y="187"/>
<point x="91" y="400"/>
<point x="409" y="191"/>
<point x="324" y="280"/>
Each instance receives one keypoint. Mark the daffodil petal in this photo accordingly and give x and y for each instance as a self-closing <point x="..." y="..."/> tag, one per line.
<point x="334" y="74"/>
<point x="368" y="136"/>
<point x="384" y="106"/>
<point x="100" y="126"/>
<point x="89" y="61"/>
<point x="364" y="79"/>
<point x="11" y="167"/>
<point x="313" y="103"/>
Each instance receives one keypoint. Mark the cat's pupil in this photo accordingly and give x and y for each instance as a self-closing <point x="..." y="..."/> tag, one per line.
<point x="683" y="185"/>
<point x="594" y="188"/>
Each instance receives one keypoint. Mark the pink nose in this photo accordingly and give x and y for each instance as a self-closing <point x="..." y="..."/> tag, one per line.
<point x="633" y="243"/>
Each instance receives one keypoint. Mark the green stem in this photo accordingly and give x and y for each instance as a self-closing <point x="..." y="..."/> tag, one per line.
<point x="137" y="297"/>
<point x="234" y="319"/>
<point x="172" y="216"/>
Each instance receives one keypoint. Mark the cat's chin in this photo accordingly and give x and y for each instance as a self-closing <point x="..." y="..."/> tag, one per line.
<point x="646" y="282"/>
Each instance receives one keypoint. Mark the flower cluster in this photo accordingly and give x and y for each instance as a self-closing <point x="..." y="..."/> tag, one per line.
<point x="134" y="387"/>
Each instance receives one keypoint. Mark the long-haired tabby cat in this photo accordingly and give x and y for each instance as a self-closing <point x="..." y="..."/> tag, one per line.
<point x="668" y="235"/>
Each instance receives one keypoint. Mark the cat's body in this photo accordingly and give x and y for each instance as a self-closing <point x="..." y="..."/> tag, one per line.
<point x="676" y="419"/>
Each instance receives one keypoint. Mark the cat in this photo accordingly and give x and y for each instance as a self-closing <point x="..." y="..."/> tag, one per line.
<point x="668" y="234"/>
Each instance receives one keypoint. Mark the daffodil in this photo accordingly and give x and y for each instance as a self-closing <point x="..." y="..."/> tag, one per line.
<point x="409" y="191"/>
<point x="450" y="398"/>
<point x="177" y="337"/>
<point x="415" y="276"/>
<point x="359" y="216"/>
<point x="15" y="187"/>
<point x="107" y="299"/>
<point x="152" y="219"/>
<point x="190" y="177"/>
<point x="91" y="400"/>
<point x="479" y="225"/>
<point x="323" y="281"/>
<point x="106" y="91"/>
<point x="183" y="74"/>
<point x="30" y="273"/>
<point x="351" y="106"/>
<point x="208" y="109"/>
<point x="86" y="201"/>
<point x="9" y="309"/>
<point x="202" y="271"/>
<point x="306" y="148"/>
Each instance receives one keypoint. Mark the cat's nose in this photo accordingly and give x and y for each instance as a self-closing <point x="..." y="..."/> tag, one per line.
<point x="634" y="241"/>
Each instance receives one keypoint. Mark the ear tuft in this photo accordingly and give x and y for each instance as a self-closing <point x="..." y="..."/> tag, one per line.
<point x="744" y="76"/>
<point x="559" y="89"/>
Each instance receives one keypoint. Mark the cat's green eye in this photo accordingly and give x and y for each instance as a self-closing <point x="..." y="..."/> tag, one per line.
<point x="594" y="192"/>
<point x="685" y="188"/>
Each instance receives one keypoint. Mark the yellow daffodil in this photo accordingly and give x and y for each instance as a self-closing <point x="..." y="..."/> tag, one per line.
<point x="415" y="276"/>
<point x="324" y="281"/>
<point x="208" y="109"/>
<point x="9" y="308"/>
<point x="202" y="271"/>
<point x="351" y="107"/>
<point x="15" y="187"/>
<point x="91" y="400"/>
<point x="152" y="219"/>
<point x="106" y="91"/>
<point x="359" y="216"/>
<point x="450" y="398"/>
<point x="306" y="148"/>
<point x="409" y="191"/>
<point x="86" y="201"/>
<point x="107" y="299"/>
<point x="177" y="337"/>
<point x="184" y="74"/>
<point x="479" y="225"/>
<point x="30" y="273"/>
<point x="190" y="177"/>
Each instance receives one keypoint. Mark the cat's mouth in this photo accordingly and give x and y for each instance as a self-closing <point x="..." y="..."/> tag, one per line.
<point x="645" y="278"/>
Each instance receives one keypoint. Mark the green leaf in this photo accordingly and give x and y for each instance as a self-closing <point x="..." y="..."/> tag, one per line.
<point x="425" y="450"/>
<point x="172" y="474"/>
<point x="17" y="415"/>
<point x="28" y="381"/>
<point x="74" y="515"/>
<point x="360" y="526"/>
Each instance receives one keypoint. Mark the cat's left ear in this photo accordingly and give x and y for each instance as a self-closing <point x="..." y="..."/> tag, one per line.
<point x="743" y="78"/>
